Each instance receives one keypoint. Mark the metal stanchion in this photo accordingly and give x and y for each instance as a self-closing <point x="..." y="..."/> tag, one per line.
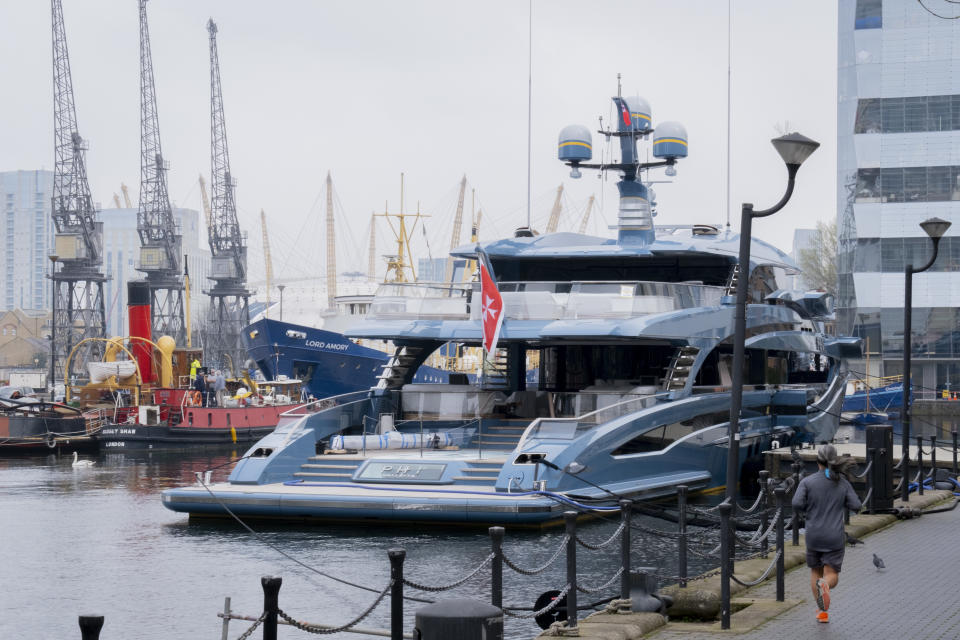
<point x="919" y="465"/>
<point x="90" y="627"/>
<point x="682" y="537"/>
<point x="271" y="605"/>
<point x="725" y="508"/>
<point x="626" y="515"/>
<point x="780" y="493"/>
<point x="764" y="516"/>
<point x="933" y="462"/>
<point x="396" y="592"/>
<point x="496" y="567"/>
<point x="871" y="463"/>
<point x="571" y="518"/>
<point x="954" y="434"/>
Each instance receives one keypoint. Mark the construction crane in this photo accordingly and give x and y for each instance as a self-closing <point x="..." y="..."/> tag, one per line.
<point x="78" y="305"/>
<point x="266" y="258"/>
<point x="126" y="196"/>
<point x="586" y="215"/>
<point x="331" y="249"/>
<point x="554" y="221"/>
<point x="229" y="297"/>
<point x="206" y="201"/>
<point x="160" y="243"/>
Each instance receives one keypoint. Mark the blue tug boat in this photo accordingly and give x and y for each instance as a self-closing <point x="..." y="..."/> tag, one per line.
<point x="633" y="339"/>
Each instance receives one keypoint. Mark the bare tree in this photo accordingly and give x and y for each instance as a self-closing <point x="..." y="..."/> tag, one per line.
<point x="819" y="260"/>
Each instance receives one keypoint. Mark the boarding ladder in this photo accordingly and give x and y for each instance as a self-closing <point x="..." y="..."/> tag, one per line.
<point x="679" y="370"/>
<point x="395" y="371"/>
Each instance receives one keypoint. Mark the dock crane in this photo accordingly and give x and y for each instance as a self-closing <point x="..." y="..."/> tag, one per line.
<point x="78" y="305"/>
<point x="457" y="224"/>
<point x="160" y="242"/>
<point x="229" y="297"/>
<point x="554" y="221"/>
<point x="267" y="259"/>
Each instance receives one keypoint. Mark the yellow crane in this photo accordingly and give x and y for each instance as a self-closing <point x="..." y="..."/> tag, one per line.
<point x="554" y="221"/>
<point x="266" y="258"/>
<point x="457" y="224"/>
<point x="586" y="215"/>
<point x="126" y="196"/>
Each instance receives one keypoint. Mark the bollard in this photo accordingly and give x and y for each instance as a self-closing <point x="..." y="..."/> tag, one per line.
<point x="496" y="567"/>
<point x="571" y="518"/>
<point x="626" y="515"/>
<point x="954" y="434"/>
<point x="780" y="493"/>
<point x="460" y="619"/>
<point x="871" y="463"/>
<point x="764" y="516"/>
<point x="90" y="627"/>
<point x="682" y="537"/>
<point x="396" y="556"/>
<point x="271" y="604"/>
<point x="933" y="461"/>
<point x="919" y="465"/>
<point x="725" y="508"/>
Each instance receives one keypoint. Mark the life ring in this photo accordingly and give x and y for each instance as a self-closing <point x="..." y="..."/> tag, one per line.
<point x="51" y="440"/>
<point x="195" y="399"/>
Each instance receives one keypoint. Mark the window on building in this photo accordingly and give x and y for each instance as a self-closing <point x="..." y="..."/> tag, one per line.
<point x="910" y="184"/>
<point x="869" y="14"/>
<point x="911" y="114"/>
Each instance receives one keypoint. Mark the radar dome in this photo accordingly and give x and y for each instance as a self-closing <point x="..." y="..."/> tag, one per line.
<point x="640" y="113"/>
<point x="575" y="144"/>
<point x="670" y="141"/>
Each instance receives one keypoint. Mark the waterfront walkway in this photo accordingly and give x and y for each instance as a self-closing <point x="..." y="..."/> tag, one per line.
<point x="916" y="596"/>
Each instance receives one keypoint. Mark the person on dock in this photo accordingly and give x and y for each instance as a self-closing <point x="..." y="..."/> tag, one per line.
<point x="823" y="497"/>
<point x="219" y="386"/>
<point x="200" y="386"/>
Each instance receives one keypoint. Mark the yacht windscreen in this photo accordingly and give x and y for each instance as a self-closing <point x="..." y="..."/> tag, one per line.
<point x="705" y="268"/>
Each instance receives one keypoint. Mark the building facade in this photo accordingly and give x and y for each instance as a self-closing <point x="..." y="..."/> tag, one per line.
<point x="26" y="227"/>
<point x="898" y="164"/>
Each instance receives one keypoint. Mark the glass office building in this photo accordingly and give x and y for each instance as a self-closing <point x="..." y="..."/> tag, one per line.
<point x="898" y="164"/>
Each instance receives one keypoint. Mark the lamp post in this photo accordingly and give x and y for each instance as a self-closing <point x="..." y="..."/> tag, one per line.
<point x="935" y="228"/>
<point x="281" y="287"/>
<point x="794" y="149"/>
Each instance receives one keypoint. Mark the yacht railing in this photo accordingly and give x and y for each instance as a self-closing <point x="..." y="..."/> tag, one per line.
<point x="543" y="300"/>
<point x="573" y="427"/>
<point x="303" y="410"/>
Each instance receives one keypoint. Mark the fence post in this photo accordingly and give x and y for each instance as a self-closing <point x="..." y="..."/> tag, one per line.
<point x="871" y="463"/>
<point x="682" y="537"/>
<point x="396" y="556"/>
<point x="226" y="619"/>
<point x="626" y="516"/>
<point x="90" y="627"/>
<point x="933" y="461"/>
<point x="780" y="493"/>
<point x="571" y="518"/>
<point x="920" y="465"/>
<point x="496" y="567"/>
<point x="725" y="508"/>
<point x="954" y="434"/>
<point x="764" y="516"/>
<point x="271" y="604"/>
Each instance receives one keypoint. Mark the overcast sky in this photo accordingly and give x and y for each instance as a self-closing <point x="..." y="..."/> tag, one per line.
<point x="435" y="89"/>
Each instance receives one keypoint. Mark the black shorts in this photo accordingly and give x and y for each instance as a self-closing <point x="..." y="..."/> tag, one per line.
<point x="816" y="559"/>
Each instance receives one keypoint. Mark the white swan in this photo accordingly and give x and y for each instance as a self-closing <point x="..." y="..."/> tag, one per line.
<point x="81" y="463"/>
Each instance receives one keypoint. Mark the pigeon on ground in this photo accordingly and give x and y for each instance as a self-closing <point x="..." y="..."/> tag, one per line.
<point x="853" y="541"/>
<point x="878" y="562"/>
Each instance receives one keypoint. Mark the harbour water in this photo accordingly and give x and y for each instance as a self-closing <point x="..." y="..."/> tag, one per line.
<point x="98" y="541"/>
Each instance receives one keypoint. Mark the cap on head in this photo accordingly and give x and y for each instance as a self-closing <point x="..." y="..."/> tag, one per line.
<point x="826" y="454"/>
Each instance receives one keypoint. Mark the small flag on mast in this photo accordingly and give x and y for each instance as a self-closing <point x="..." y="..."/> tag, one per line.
<point x="491" y="304"/>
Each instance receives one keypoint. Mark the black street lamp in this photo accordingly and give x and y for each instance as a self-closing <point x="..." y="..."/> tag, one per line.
<point x="794" y="149"/>
<point x="935" y="228"/>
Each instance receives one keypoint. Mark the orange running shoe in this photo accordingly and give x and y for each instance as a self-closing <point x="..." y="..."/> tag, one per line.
<point x="823" y="616"/>
<point x="823" y="595"/>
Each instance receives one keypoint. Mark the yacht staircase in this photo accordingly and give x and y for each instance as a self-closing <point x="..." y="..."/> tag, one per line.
<point x="397" y="367"/>
<point x="732" y="281"/>
<point x="679" y="370"/>
<point x="501" y="437"/>
<point x="480" y="473"/>
<point x="495" y="371"/>
<point x="328" y="469"/>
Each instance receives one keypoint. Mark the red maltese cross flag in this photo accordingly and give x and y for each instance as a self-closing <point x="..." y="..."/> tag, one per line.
<point x="491" y="304"/>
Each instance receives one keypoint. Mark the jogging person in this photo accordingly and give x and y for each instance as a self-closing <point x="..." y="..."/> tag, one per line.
<point x="823" y="497"/>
